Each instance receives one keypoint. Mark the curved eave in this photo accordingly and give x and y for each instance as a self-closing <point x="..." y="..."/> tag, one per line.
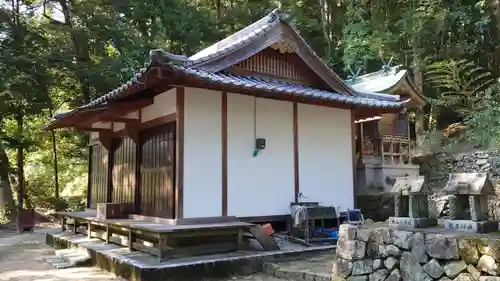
<point x="69" y="118"/>
<point x="405" y="85"/>
<point x="392" y="84"/>
<point x="422" y="100"/>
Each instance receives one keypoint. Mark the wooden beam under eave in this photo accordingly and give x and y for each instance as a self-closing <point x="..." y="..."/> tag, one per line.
<point x="119" y="119"/>
<point x="126" y="107"/>
<point x="119" y="109"/>
<point x="91" y="129"/>
<point x="132" y="131"/>
<point x="105" y="139"/>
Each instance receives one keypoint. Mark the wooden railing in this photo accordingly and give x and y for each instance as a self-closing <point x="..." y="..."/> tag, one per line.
<point x="388" y="149"/>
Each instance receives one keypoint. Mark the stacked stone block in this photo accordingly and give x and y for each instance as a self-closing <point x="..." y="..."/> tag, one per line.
<point x="388" y="254"/>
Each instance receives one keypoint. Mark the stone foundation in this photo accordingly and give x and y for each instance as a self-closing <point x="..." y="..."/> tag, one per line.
<point x="385" y="253"/>
<point x="139" y="266"/>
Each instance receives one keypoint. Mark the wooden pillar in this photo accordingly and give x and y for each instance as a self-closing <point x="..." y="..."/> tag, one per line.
<point x="362" y="138"/>
<point x="109" y="190"/>
<point x="179" y="155"/>
<point x="224" y="151"/>
<point x="296" y="165"/>
<point x="89" y="176"/>
<point x="354" y="172"/>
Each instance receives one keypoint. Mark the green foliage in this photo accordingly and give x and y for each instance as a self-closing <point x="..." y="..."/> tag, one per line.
<point x="461" y="84"/>
<point x="483" y="126"/>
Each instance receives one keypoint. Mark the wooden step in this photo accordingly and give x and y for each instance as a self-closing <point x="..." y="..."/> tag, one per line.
<point x="265" y="240"/>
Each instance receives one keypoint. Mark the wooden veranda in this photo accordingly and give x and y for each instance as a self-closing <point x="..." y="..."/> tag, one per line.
<point x="168" y="238"/>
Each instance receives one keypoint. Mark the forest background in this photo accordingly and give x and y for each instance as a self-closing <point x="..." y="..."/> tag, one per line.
<point x="59" y="54"/>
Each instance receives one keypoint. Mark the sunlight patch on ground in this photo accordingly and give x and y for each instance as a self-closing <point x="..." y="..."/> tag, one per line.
<point x="86" y="273"/>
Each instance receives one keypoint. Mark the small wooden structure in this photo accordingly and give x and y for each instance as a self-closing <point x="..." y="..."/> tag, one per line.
<point x="384" y="143"/>
<point x="411" y="205"/>
<point x="166" y="238"/>
<point x="469" y="202"/>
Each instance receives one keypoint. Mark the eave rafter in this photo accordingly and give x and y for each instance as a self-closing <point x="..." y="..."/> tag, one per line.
<point x="90" y="129"/>
<point x="117" y="110"/>
<point x="115" y="119"/>
<point x="114" y="114"/>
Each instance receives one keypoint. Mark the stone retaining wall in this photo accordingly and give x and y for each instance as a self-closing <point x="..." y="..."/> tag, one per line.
<point x="384" y="253"/>
<point x="436" y="169"/>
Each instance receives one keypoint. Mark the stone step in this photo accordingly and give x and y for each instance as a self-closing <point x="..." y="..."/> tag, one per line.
<point x="74" y="256"/>
<point x="292" y="274"/>
<point x="67" y="258"/>
<point x="56" y="262"/>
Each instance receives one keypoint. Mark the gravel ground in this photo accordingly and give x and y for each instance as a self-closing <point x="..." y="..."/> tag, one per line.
<point x="20" y="261"/>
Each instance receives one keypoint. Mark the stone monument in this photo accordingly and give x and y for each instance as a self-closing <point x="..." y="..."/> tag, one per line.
<point x="411" y="208"/>
<point x="469" y="202"/>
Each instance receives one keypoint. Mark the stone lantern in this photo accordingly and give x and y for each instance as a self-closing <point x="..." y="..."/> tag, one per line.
<point x="411" y="208"/>
<point x="468" y="195"/>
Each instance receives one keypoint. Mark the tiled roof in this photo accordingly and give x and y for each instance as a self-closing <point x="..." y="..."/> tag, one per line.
<point x="238" y="39"/>
<point x="363" y="95"/>
<point x="118" y="91"/>
<point x="247" y="35"/>
<point x="249" y="82"/>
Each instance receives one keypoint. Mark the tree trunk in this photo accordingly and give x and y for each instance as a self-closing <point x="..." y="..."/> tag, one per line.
<point x="20" y="171"/>
<point x="419" y="84"/>
<point x="218" y="7"/>
<point x="6" y="197"/>
<point x="324" y="16"/>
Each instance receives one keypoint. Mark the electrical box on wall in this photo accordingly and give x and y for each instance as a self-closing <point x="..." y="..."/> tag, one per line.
<point x="260" y="144"/>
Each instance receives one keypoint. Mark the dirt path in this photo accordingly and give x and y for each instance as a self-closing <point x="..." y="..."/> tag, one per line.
<point x="20" y="261"/>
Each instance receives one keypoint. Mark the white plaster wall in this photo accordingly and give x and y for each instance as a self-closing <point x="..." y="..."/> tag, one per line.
<point x="325" y="156"/>
<point x="164" y="104"/>
<point x="262" y="185"/>
<point x="202" y="153"/>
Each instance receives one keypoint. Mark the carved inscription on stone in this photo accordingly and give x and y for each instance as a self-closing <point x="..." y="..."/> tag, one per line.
<point x="461" y="225"/>
<point x="401" y="221"/>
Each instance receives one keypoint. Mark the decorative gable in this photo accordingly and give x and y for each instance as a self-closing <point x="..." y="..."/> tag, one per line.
<point x="243" y="48"/>
<point x="278" y="62"/>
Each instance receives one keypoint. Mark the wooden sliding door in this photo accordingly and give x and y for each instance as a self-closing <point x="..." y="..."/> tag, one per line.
<point x="123" y="177"/>
<point x="157" y="152"/>
<point x="98" y="175"/>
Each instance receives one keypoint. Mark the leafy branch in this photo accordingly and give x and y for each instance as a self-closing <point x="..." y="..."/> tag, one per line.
<point x="461" y="83"/>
